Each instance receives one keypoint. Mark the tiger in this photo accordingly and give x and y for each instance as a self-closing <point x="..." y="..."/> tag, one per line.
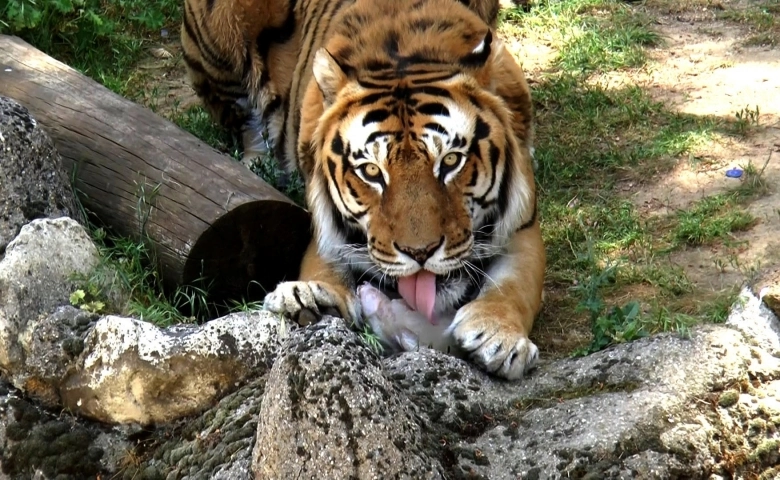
<point x="412" y="128"/>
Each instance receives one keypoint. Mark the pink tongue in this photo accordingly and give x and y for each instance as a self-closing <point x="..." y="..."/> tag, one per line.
<point x="419" y="291"/>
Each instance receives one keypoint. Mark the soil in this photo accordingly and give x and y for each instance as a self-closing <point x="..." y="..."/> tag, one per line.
<point x="704" y="69"/>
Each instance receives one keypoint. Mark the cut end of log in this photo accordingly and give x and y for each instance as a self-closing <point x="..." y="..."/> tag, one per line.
<point x="247" y="252"/>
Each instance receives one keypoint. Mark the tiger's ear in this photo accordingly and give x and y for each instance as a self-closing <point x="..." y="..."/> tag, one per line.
<point x="479" y="56"/>
<point x="330" y="76"/>
<point x="484" y="59"/>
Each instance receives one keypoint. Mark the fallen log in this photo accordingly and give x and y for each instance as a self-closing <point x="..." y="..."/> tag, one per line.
<point x="206" y="215"/>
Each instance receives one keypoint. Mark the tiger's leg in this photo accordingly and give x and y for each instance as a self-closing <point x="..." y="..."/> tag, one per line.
<point x="321" y="288"/>
<point x="214" y="56"/>
<point x="221" y="40"/>
<point x="493" y="329"/>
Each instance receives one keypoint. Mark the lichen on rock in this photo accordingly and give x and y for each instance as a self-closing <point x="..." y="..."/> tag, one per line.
<point x="33" y="440"/>
<point x="330" y="412"/>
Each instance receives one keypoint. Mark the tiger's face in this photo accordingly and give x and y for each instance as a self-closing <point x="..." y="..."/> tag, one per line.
<point x="416" y="181"/>
<point x="421" y="172"/>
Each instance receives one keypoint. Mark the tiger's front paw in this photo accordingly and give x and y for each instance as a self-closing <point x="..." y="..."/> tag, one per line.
<point x="493" y="340"/>
<point x="307" y="302"/>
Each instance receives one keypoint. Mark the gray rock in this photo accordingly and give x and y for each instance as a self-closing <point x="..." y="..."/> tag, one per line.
<point x="33" y="183"/>
<point x="756" y="320"/>
<point x="37" y="276"/>
<point x="133" y="371"/>
<point x="329" y="412"/>
<point x="607" y="415"/>
<point x="51" y="347"/>
<point x="37" y="444"/>
<point x="113" y="369"/>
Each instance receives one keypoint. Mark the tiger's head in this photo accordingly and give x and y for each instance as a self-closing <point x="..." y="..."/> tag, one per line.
<point x="411" y="151"/>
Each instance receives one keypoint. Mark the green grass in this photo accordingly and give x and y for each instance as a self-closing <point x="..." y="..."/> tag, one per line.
<point x="607" y="43"/>
<point x="588" y="132"/>
<point x="592" y="138"/>
<point x="590" y="35"/>
<point x="197" y="121"/>
<point x="763" y="20"/>
<point x="712" y="218"/>
<point x="125" y="282"/>
<point x="101" y="38"/>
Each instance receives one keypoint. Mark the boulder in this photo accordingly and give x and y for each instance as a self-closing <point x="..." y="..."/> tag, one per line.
<point x="662" y="407"/>
<point x="37" y="275"/>
<point x="659" y="407"/>
<point x="330" y="412"/>
<point x="216" y="445"/>
<point x="33" y="182"/>
<point x="113" y="369"/>
<point x="767" y="288"/>
<point x="132" y="371"/>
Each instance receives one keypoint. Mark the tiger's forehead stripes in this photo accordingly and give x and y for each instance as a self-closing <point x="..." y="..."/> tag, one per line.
<point x="439" y="123"/>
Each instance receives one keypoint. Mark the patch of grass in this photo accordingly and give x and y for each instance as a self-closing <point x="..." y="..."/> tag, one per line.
<point x="593" y="138"/>
<point x="613" y="323"/>
<point x="198" y="122"/>
<point x="712" y="218"/>
<point x="716" y="308"/>
<point x="590" y="35"/>
<point x="663" y="319"/>
<point x="609" y="324"/>
<point x="765" y="39"/>
<point x="126" y="282"/>
<point x="588" y="133"/>
<point x="600" y="45"/>
<point x="760" y="16"/>
<point x="371" y="340"/>
<point x="291" y="185"/>
<point x="100" y="38"/>
<point x="589" y="139"/>
<point x="763" y="19"/>
<point x="746" y="118"/>
<point x="667" y="279"/>
<point x="613" y="225"/>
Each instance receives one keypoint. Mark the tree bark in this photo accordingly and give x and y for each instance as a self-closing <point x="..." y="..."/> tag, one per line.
<point x="206" y="215"/>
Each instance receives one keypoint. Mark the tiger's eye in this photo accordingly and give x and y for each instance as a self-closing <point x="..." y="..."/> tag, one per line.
<point x="371" y="173"/>
<point x="451" y="159"/>
<point x="372" y="170"/>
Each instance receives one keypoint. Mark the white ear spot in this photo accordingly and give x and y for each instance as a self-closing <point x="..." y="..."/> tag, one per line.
<point x="479" y="48"/>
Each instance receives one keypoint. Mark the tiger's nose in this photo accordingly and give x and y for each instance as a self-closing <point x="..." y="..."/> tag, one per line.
<point x="420" y="254"/>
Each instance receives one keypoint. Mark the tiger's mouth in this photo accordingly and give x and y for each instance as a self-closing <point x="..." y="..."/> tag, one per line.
<point x="436" y="285"/>
<point x="419" y="292"/>
<point x="429" y="293"/>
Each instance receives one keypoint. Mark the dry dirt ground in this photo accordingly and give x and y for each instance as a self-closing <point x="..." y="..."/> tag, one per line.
<point x="704" y="66"/>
